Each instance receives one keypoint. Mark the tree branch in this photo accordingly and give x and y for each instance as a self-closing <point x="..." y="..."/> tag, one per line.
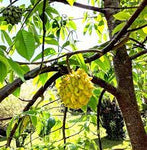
<point x="10" y="88"/>
<point x="108" y="87"/>
<point x="138" y="54"/>
<point x="120" y="8"/>
<point x="98" y="118"/>
<point x="101" y="10"/>
<point x="38" y="94"/>
<point x="4" y="119"/>
<point x="135" y="29"/>
<point x="67" y="54"/>
<point x="44" y="32"/>
<point x="120" y="34"/>
<point x="63" y="127"/>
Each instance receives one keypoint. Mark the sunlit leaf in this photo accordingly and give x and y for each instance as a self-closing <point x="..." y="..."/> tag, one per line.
<point x="3" y="68"/>
<point x="71" y="2"/>
<point x="17" y="69"/>
<point x="7" y="38"/>
<point x="47" y="52"/>
<point x="25" y="44"/>
<point x="122" y="16"/>
<point x="3" y="71"/>
<point x="145" y="30"/>
<point x="118" y="28"/>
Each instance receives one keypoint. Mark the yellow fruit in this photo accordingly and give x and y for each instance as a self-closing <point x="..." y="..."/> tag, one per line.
<point x="75" y="89"/>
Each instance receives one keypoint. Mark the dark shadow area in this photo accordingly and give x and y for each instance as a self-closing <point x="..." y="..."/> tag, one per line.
<point x="3" y="139"/>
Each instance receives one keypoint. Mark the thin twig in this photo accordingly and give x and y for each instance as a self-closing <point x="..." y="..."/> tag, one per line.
<point x="68" y="64"/>
<point x="30" y="11"/>
<point x="38" y="94"/>
<point x="70" y="136"/>
<point x="50" y="102"/>
<point x="4" y="119"/>
<point x="138" y="54"/>
<point x="139" y="43"/>
<point x="121" y="33"/>
<point x="101" y="10"/>
<point x="64" y="55"/>
<point x="135" y="29"/>
<point x="98" y="118"/>
<point x="24" y="100"/>
<point x="44" y="32"/>
<point x="63" y="127"/>
<point x="120" y="7"/>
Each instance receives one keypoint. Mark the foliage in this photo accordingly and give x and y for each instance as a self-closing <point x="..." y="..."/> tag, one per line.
<point x="37" y="34"/>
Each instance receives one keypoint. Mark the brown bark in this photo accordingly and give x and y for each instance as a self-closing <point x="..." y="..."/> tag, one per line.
<point x="127" y="100"/>
<point x="126" y="97"/>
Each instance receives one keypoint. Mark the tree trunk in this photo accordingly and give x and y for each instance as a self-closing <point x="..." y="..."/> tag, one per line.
<point x="126" y="98"/>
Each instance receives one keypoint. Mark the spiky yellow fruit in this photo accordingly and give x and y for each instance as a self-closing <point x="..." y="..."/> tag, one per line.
<point x="76" y="89"/>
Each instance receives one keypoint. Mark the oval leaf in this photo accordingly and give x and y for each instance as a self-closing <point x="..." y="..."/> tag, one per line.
<point x="25" y="44"/>
<point x="17" y="69"/>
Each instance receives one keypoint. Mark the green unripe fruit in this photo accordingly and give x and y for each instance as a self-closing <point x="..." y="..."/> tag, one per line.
<point x="12" y="15"/>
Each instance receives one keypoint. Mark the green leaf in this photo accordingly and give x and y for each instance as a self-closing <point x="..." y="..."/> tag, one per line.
<point x="71" y="2"/>
<point x="43" y="78"/>
<point x="122" y="16"/>
<point x="2" y="49"/>
<point x="17" y="69"/>
<point x="145" y="30"/>
<point x="81" y="61"/>
<point x="3" y="68"/>
<point x="25" y="44"/>
<point x="72" y="25"/>
<point x="3" y="71"/>
<point x="93" y="103"/>
<point x="86" y="28"/>
<point x="49" y="10"/>
<point x="51" y="41"/>
<point x="16" y="92"/>
<point x="39" y="127"/>
<point x="62" y="33"/>
<point x="7" y="38"/>
<point x="9" y="127"/>
<point x="118" y="28"/>
<point x="33" y="120"/>
<point x="49" y="124"/>
<point x="67" y="43"/>
<point x="47" y="52"/>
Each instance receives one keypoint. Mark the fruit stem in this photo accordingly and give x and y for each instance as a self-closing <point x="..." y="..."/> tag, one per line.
<point x="68" y="64"/>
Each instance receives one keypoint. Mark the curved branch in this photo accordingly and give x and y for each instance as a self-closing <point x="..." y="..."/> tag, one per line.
<point x="135" y="29"/>
<point x="38" y="94"/>
<point x="67" y="54"/>
<point x="4" y="119"/>
<point x="10" y="88"/>
<point x="63" y="127"/>
<point x="98" y="119"/>
<point x="101" y="10"/>
<point x="138" y="54"/>
<point x="120" y="34"/>
<point x="108" y="87"/>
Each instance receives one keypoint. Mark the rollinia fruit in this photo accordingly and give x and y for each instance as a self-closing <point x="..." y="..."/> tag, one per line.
<point x="76" y="89"/>
<point x="12" y="14"/>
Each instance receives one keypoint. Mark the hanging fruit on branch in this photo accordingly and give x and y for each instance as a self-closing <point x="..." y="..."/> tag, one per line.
<point x="76" y="89"/>
<point x="12" y="14"/>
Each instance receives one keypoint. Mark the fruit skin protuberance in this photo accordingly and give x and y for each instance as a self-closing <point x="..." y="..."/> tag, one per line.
<point x="12" y="14"/>
<point x="76" y="89"/>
